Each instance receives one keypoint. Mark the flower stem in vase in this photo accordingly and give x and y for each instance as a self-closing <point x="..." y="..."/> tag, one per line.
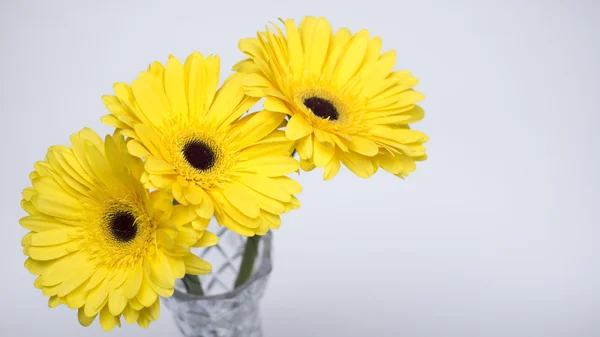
<point x="250" y="252"/>
<point x="193" y="285"/>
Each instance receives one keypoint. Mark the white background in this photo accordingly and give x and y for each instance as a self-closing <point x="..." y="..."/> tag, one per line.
<point x="495" y="235"/>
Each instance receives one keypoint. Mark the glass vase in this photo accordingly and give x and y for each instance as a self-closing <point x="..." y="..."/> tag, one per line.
<point x="224" y="311"/>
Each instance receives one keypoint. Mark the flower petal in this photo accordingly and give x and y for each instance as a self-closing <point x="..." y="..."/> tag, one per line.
<point x="239" y="197"/>
<point x="194" y="265"/>
<point x="298" y="127"/>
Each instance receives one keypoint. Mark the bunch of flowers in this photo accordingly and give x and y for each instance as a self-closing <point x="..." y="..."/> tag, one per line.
<point x="112" y="220"/>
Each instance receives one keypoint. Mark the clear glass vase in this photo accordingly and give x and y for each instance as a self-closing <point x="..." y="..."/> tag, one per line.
<point x="224" y="311"/>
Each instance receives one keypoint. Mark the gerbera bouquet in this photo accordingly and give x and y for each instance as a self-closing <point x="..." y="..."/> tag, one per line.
<point x="112" y="220"/>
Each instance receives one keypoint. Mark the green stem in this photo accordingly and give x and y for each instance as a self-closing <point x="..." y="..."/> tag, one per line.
<point x="248" y="259"/>
<point x="193" y="285"/>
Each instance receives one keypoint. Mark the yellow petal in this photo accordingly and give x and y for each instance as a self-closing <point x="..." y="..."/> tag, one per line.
<point x="398" y="164"/>
<point x="160" y="270"/>
<point x="307" y="164"/>
<point x="371" y="58"/>
<point x="338" y="141"/>
<point x="380" y="70"/>
<point x="51" y="252"/>
<point x="131" y="315"/>
<point x="324" y="137"/>
<point x="89" y="135"/>
<point x="48" y="186"/>
<point x="52" y="206"/>
<point x="107" y="320"/>
<point x="149" y="139"/>
<point x="256" y="85"/>
<point x="186" y="237"/>
<point x="76" y="299"/>
<point x="363" y="146"/>
<point x="205" y="209"/>
<point x="276" y="105"/>
<point x="239" y="197"/>
<point x="200" y="224"/>
<point x="133" y="282"/>
<point x="154" y="311"/>
<point x="269" y="166"/>
<point x="137" y="149"/>
<point x="305" y="147"/>
<point x="322" y="153"/>
<point x="340" y="40"/>
<point x="37" y="267"/>
<point x="243" y="103"/>
<point x="361" y="166"/>
<point x="117" y="279"/>
<point x="96" y="298"/>
<point x="98" y="163"/>
<point x="251" y="47"/>
<point x="294" y="43"/>
<point x="175" y="86"/>
<point x="177" y="190"/>
<point x="246" y="66"/>
<point x="213" y="69"/>
<point x="195" y="265"/>
<point x="160" y="291"/>
<point x="266" y="186"/>
<point x="319" y="46"/>
<point x="207" y="239"/>
<point x="235" y="214"/>
<point x="54" y="302"/>
<point x="151" y="98"/>
<point x="157" y="70"/>
<point x="116" y="302"/>
<point x="298" y="127"/>
<point x="352" y="57"/>
<point x="267" y="147"/>
<point x="262" y="229"/>
<point x="40" y="223"/>
<point x="182" y="214"/>
<point x="158" y="166"/>
<point x="77" y="279"/>
<point x="79" y="163"/>
<point x="55" y="236"/>
<point x="83" y="319"/>
<point x="59" y="270"/>
<point x="331" y="169"/>
<point x="289" y="184"/>
<point x="194" y="194"/>
<point x="146" y="295"/>
<point x="402" y="136"/>
<point x="195" y="70"/>
<point x="254" y="127"/>
<point x="227" y="99"/>
<point x="164" y="240"/>
<point x="143" y="322"/>
<point x="136" y="305"/>
<point x="237" y="228"/>
<point x="178" y="266"/>
<point x="273" y="220"/>
<point x="100" y="274"/>
<point x="267" y="203"/>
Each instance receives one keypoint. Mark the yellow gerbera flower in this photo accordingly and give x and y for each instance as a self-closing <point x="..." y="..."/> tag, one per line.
<point x="196" y="144"/>
<point x="345" y="102"/>
<point x="99" y="241"/>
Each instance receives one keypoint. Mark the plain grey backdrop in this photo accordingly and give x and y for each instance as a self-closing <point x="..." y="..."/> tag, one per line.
<point x="495" y="235"/>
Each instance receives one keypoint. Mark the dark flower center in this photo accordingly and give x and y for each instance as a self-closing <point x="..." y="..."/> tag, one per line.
<point x="322" y="108"/>
<point x="123" y="226"/>
<point x="199" y="155"/>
